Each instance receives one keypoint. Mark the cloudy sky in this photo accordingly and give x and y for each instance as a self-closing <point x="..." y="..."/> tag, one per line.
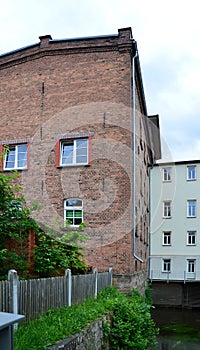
<point x="168" y="37"/>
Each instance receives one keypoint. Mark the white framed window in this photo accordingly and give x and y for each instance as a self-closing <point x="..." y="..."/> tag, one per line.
<point x="73" y="211"/>
<point x="191" y="265"/>
<point x="191" y="172"/>
<point x="191" y="208"/>
<point x="167" y="209"/>
<point x="74" y="152"/>
<point x="167" y="174"/>
<point x="166" y="265"/>
<point x="167" y="238"/>
<point x="191" y="237"/>
<point x="16" y="157"/>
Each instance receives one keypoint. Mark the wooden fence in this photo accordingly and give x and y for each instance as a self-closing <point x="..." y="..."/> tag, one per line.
<point x="35" y="296"/>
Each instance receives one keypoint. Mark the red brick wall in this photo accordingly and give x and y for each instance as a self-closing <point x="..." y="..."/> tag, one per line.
<point x="58" y="88"/>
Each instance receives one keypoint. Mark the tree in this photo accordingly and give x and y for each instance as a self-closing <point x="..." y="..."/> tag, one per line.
<point x="51" y="256"/>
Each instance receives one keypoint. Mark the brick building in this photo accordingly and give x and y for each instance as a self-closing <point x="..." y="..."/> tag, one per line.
<point x="73" y="113"/>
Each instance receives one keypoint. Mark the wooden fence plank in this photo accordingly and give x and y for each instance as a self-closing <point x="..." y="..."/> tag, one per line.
<point x="36" y="296"/>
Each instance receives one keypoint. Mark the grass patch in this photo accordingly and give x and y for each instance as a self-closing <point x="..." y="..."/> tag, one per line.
<point x="132" y="327"/>
<point x="64" y="322"/>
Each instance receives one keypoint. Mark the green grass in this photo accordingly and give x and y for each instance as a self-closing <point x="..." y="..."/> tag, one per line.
<point x="62" y="323"/>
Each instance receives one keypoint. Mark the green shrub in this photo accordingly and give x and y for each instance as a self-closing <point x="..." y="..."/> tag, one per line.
<point x="132" y="326"/>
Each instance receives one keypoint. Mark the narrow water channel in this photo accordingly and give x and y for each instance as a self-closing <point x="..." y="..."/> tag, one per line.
<point x="179" y="329"/>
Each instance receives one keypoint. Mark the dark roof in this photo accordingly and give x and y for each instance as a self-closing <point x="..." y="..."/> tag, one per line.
<point x="180" y="162"/>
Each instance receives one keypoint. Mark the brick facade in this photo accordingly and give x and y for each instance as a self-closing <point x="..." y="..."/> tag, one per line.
<point x="58" y="88"/>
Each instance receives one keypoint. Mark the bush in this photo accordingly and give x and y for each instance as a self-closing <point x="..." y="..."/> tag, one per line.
<point x="132" y="326"/>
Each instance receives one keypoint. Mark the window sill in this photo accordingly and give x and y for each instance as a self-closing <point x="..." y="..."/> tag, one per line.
<point x="74" y="166"/>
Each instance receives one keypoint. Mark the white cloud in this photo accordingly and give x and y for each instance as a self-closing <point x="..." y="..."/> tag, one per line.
<point x="167" y="33"/>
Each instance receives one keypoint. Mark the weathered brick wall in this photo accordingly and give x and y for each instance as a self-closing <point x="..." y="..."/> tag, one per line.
<point x="62" y="87"/>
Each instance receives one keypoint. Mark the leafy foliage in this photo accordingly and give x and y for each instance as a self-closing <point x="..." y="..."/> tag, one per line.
<point x="15" y="223"/>
<point x="50" y="257"/>
<point x="53" y="256"/>
<point x="132" y="326"/>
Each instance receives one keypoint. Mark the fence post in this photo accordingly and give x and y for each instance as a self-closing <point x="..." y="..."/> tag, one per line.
<point x="68" y="275"/>
<point x="95" y="272"/>
<point x="110" y="275"/>
<point x="13" y="291"/>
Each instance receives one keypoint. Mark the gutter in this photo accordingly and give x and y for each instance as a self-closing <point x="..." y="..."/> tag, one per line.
<point x="133" y="154"/>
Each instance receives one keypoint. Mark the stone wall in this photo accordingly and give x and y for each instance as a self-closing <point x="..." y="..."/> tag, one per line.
<point x="91" y="338"/>
<point x="126" y="283"/>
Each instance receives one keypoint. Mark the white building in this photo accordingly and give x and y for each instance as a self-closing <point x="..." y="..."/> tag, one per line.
<point x="175" y="222"/>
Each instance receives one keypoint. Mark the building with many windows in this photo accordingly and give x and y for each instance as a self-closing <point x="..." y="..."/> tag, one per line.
<point x="175" y="224"/>
<point x="74" y="120"/>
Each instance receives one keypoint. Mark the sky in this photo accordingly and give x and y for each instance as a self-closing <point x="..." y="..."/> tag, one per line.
<point x="168" y="39"/>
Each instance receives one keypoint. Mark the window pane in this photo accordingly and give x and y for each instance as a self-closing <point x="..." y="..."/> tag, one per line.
<point x="10" y="158"/>
<point x="192" y="208"/>
<point x="191" y="237"/>
<point x="69" y="214"/>
<point x="81" y="151"/>
<point x="167" y="174"/>
<point x="78" y="213"/>
<point x="81" y="144"/>
<point x="67" y="153"/>
<point x="22" y="156"/>
<point x="74" y="202"/>
<point x="77" y="221"/>
<point x="191" y="173"/>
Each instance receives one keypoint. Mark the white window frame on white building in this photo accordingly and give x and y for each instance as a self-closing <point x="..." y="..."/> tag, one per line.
<point x="167" y="174"/>
<point x="191" y="172"/>
<point x="73" y="211"/>
<point x="191" y="266"/>
<point x="166" y="238"/>
<point x="166" y="265"/>
<point x="191" y="208"/>
<point x="167" y="209"/>
<point x="191" y="237"/>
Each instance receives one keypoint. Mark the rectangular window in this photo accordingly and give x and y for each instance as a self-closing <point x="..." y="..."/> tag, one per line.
<point x="191" y="265"/>
<point x="191" y="172"/>
<point x="167" y="174"/>
<point x="73" y="211"/>
<point x="167" y="238"/>
<point x="166" y="265"/>
<point x="167" y="211"/>
<point x="191" y="237"/>
<point x="191" y="208"/>
<point x="16" y="157"/>
<point x="74" y="152"/>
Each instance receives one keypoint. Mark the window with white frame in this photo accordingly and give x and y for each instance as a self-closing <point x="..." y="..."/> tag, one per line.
<point x="74" y="152"/>
<point x="167" y="174"/>
<point x="73" y="211"/>
<point x="16" y="157"/>
<point x="191" y="265"/>
<point x="191" y="208"/>
<point x="191" y="172"/>
<point x="167" y="210"/>
<point x="167" y="238"/>
<point x="191" y="237"/>
<point x="166" y="265"/>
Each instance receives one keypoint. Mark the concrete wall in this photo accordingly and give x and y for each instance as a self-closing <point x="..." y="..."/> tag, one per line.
<point x="176" y="294"/>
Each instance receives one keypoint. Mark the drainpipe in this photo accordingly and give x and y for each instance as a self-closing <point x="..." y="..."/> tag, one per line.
<point x="133" y="154"/>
